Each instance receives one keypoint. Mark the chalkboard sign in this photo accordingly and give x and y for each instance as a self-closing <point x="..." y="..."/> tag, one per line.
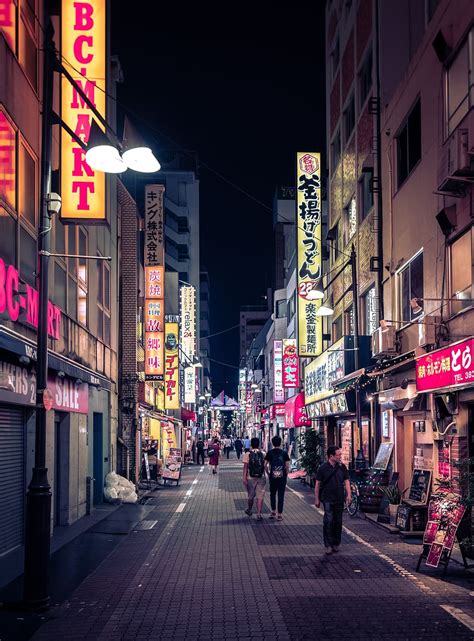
<point x="420" y="486"/>
<point x="403" y="517"/>
<point x="383" y="456"/>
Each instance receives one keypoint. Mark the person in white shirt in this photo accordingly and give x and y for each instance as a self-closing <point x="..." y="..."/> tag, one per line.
<point x="227" y="445"/>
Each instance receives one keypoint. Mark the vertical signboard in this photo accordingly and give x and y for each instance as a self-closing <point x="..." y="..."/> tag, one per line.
<point x="7" y="161"/>
<point x="171" y="366"/>
<point x="242" y="382"/>
<point x="188" y="323"/>
<point x="291" y="373"/>
<point x="309" y="259"/>
<point x="278" y="389"/>
<point x="189" y="385"/>
<point x="83" y="45"/>
<point x="154" y="312"/>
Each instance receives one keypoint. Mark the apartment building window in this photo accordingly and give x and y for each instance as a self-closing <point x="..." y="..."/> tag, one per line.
<point x="460" y="84"/>
<point x="103" y="302"/>
<point x="366" y="193"/>
<point x="71" y="274"/>
<point x="350" y="221"/>
<point x="27" y="188"/>
<point x="370" y="312"/>
<point x="291" y="307"/>
<point x="281" y="308"/>
<point x="349" y="119"/>
<point x="18" y="23"/>
<point x="365" y="79"/>
<point x="335" y="151"/>
<point x="461" y="266"/>
<point x="337" y="329"/>
<point x="409" y="144"/>
<point x="349" y="321"/>
<point x="335" y="239"/>
<point x="410" y="286"/>
<point x="335" y="57"/>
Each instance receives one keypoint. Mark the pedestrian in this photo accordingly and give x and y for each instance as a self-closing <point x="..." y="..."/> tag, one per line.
<point x="332" y="481"/>
<point x="214" y="452"/>
<point x="254" y="477"/>
<point x="238" y="447"/>
<point x="277" y="464"/>
<point x="193" y="451"/>
<point x="227" y="446"/>
<point x="200" y="451"/>
<point x="246" y="443"/>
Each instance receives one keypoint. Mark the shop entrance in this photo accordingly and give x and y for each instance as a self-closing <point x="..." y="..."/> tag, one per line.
<point x="98" y="457"/>
<point x="61" y="468"/>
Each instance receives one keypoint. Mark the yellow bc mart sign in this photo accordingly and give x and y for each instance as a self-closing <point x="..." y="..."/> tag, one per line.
<point x="308" y="239"/>
<point x="83" y="30"/>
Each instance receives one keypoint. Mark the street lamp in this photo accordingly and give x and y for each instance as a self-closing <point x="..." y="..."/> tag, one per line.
<point x="38" y="497"/>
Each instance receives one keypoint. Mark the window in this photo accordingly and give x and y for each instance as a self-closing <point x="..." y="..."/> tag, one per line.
<point x="335" y="56"/>
<point x="365" y="79"/>
<point x="28" y="51"/>
<point x="366" y="193"/>
<point x="7" y="161"/>
<point x="349" y="321"/>
<point x="59" y="287"/>
<point x="460" y="84"/>
<point x="335" y="151"/>
<point x="370" y="312"/>
<point x="431" y="6"/>
<point x="27" y="192"/>
<point x="291" y="307"/>
<point x="337" y="329"/>
<point x="182" y="193"/>
<point x="8" y="22"/>
<point x="18" y="23"/>
<point x="281" y="308"/>
<point x="409" y="144"/>
<point x="410" y="286"/>
<point x="349" y="119"/>
<point x="103" y="301"/>
<point x="461" y="272"/>
<point x="350" y="221"/>
<point x="72" y="239"/>
<point x="334" y="236"/>
<point x="27" y="256"/>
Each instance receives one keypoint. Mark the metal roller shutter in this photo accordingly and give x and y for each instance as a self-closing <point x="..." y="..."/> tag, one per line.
<point x="12" y="477"/>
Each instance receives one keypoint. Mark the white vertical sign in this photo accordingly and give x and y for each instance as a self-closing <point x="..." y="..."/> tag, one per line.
<point x="278" y="389"/>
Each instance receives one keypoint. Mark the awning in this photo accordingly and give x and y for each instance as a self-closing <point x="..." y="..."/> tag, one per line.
<point x="188" y="415"/>
<point x="295" y="412"/>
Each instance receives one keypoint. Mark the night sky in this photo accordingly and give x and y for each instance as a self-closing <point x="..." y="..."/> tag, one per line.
<point x="245" y="89"/>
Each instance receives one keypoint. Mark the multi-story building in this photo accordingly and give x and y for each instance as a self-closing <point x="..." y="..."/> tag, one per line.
<point x="81" y="434"/>
<point x="252" y="319"/>
<point x="205" y="329"/>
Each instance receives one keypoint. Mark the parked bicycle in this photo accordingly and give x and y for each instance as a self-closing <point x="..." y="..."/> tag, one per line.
<point x="354" y="505"/>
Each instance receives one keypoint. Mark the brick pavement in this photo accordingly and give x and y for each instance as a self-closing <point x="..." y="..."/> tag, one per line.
<point x="205" y="560"/>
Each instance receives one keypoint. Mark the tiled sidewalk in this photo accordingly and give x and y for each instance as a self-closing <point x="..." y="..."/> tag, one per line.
<point x="207" y="571"/>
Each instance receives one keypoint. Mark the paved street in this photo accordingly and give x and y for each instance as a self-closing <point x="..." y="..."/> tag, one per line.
<point x="194" y="566"/>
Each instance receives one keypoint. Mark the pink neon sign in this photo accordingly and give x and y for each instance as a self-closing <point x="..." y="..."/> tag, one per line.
<point x="447" y="367"/>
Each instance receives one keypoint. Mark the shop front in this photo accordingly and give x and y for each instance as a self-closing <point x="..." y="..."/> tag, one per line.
<point x="296" y="422"/>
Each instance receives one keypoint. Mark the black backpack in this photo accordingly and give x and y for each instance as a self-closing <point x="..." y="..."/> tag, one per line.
<point x="256" y="464"/>
<point x="277" y="464"/>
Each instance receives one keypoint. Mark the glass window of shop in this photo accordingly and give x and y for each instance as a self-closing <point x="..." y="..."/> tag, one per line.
<point x="461" y="266"/>
<point x="410" y="285"/>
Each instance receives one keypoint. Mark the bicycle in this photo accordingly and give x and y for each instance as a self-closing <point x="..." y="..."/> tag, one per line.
<point x="354" y="505"/>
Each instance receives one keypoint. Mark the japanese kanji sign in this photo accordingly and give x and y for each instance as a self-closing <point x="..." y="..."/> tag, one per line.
<point x="171" y="366"/>
<point x="323" y="372"/>
<point x="291" y="372"/>
<point x="83" y="45"/>
<point x="278" y="389"/>
<point x="448" y="367"/>
<point x="188" y="323"/>
<point x="309" y="260"/>
<point x="154" y="225"/>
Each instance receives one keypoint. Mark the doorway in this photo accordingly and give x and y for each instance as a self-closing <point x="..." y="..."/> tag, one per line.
<point x="98" y="462"/>
<point x="61" y="468"/>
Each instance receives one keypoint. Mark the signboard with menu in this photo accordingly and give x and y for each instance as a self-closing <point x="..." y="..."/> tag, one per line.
<point x="449" y="367"/>
<point x="445" y="512"/>
<point x="291" y="376"/>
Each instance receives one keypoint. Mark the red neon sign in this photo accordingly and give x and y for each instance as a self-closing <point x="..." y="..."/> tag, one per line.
<point x="448" y="367"/>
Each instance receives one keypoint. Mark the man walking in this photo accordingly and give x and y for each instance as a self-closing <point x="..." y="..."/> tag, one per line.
<point x="254" y="477"/>
<point x="227" y="445"/>
<point x="277" y="464"/>
<point x="332" y="481"/>
<point x="200" y="451"/>
<point x="246" y="443"/>
<point x="238" y="447"/>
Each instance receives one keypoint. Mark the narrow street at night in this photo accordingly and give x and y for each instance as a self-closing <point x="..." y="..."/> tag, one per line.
<point x="194" y="566"/>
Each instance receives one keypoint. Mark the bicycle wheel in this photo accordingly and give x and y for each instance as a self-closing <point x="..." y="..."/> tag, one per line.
<point x="353" y="506"/>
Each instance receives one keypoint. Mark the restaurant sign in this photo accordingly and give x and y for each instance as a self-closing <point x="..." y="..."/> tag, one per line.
<point x="278" y="389"/>
<point x="323" y="372"/>
<point x="448" y="367"/>
<point x="291" y="372"/>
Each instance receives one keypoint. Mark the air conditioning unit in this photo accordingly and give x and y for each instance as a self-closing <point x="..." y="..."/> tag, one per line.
<point x="427" y="330"/>
<point x="384" y="341"/>
<point x="456" y="167"/>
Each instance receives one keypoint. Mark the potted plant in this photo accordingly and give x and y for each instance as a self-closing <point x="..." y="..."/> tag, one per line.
<point x="311" y="451"/>
<point x="392" y="493"/>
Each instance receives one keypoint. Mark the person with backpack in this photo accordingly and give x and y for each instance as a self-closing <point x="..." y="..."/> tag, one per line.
<point x="200" y="451"/>
<point x="332" y="481"/>
<point x="254" y="477"/>
<point x="213" y="453"/>
<point x="277" y="464"/>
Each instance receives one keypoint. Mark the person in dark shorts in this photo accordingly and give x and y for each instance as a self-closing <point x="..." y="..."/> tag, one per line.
<point x="277" y="464"/>
<point x="332" y="482"/>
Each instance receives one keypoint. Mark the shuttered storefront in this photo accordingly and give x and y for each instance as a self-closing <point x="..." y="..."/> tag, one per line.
<point x="12" y="477"/>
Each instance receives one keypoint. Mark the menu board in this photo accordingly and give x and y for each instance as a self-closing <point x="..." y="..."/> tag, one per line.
<point x="383" y="456"/>
<point x="445" y="512"/>
<point x="403" y="517"/>
<point x="172" y="468"/>
<point x="420" y="486"/>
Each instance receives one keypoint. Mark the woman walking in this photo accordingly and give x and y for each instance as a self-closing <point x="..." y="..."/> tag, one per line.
<point x="214" y="452"/>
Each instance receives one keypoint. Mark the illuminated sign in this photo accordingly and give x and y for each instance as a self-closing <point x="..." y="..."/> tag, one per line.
<point x="446" y="368"/>
<point x="154" y="282"/>
<point x="24" y="307"/>
<point x="309" y="259"/>
<point x="83" y="45"/>
<point x="154" y="316"/>
<point x="278" y="389"/>
<point x="323" y="372"/>
<point x="8" y="21"/>
<point x="154" y="225"/>
<point x="154" y="355"/>
<point x="290" y="368"/>
<point x="171" y="366"/>
<point x="154" y="322"/>
<point x="188" y="323"/>
<point x="7" y="160"/>
<point x="189" y="385"/>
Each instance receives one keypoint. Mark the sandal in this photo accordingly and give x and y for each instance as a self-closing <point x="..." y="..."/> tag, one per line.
<point x="272" y="515"/>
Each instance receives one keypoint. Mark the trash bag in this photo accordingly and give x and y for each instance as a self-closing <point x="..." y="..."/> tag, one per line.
<point x="110" y="494"/>
<point x="129" y="497"/>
